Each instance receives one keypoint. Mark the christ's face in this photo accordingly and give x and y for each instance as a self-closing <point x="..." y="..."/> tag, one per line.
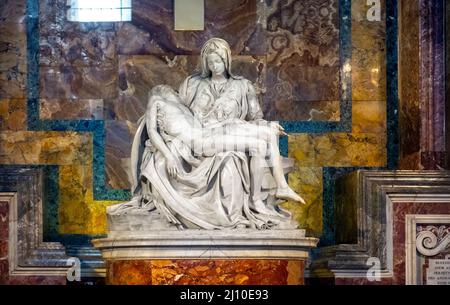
<point x="215" y="64"/>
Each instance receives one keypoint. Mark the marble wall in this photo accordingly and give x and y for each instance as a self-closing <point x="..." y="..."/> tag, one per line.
<point x="319" y="66"/>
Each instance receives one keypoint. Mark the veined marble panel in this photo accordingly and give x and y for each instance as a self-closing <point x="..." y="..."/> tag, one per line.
<point x="303" y="55"/>
<point x="27" y="147"/>
<point x="206" y="272"/>
<point x="13" y="54"/>
<point x="338" y="149"/>
<point x="13" y="114"/>
<point x="79" y="213"/>
<point x="369" y="117"/>
<point x="71" y="82"/>
<point x="12" y="11"/>
<point x="58" y="109"/>
<point x="151" y="29"/>
<point x="118" y="154"/>
<point x="368" y="54"/>
<point x="308" y="182"/>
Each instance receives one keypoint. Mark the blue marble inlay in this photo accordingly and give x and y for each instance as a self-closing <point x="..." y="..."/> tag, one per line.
<point x="51" y="202"/>
<point x="392" y="144"/>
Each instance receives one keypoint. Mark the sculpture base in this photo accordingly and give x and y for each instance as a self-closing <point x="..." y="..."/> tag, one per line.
<point x="202" y="257"/>
<point x="205" y="272"/>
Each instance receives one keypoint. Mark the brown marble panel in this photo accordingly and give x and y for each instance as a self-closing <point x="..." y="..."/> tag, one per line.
<point x="13" y="66"/>
<point x="88" y="44"/>
<point x="13" y="114"/>
<point x="12" y="84"/>
<point x="12" y="11"/>
<point x="51" y="21"/>
<point x="71" y="82"/>
<point x="151" y="29"/>
<point x="205" y="272"/>
<point x="55" y="109"/>
<point x="3" y="248"/>
<point x="117" y="154"/>
<point x="303" y="55"/>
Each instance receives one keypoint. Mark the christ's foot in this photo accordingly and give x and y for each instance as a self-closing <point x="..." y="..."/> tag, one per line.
<point x="288" y="194"/>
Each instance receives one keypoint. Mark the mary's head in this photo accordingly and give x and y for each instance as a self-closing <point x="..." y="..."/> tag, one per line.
<point x="212" y="50"/>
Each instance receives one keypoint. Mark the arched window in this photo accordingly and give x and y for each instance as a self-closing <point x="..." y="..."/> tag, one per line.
<point x="99" y="10"/>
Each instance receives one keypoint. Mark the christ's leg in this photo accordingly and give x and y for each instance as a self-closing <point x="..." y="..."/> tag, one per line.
<point x="256" y="147"/>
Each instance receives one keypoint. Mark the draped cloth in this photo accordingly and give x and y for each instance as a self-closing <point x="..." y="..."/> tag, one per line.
<point x="209" y="192"/>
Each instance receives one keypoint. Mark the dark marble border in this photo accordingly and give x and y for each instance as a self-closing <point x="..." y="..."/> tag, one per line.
<point x="392" y="144"/>
<point x="447" y="78"/>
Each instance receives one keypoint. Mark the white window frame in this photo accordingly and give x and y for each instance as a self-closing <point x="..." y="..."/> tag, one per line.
<point x="99" y="10"/>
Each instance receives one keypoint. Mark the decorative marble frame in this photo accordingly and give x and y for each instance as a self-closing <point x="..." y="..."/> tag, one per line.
<point x="28" y="253"/>
<point x="413" y="274"/>
<point x="376" y="192"/>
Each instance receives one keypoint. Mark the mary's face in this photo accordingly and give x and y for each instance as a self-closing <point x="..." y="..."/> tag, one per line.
<point x="215" y="64"/>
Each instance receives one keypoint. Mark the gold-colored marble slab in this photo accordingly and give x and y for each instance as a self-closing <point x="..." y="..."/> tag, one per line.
<point x="307" y="181"/>
<point x="51" y="147"/>
<point x="338" y="149"/>
<point x="368" y="54"/>
<point x="79" y="213"/>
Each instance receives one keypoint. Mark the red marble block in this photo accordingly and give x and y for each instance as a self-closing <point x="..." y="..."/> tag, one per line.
<point x="205" y="272"/>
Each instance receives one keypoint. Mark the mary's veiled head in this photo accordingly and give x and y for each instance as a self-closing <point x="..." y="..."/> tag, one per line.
<point x="217" y="46"/>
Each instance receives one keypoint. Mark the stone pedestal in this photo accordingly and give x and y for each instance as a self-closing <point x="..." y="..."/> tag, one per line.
<point x="202" y="257"/>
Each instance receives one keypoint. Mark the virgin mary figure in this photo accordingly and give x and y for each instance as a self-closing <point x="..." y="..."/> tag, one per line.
<point x="215" y="192"/>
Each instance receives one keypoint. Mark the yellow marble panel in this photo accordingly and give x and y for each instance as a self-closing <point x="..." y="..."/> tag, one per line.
<point x="368" y="54"/>
<point x="369" y="117"/>
<point x="338" y="149"/>
<point x="79" y="213"/>
<point x="45" y="147"/>
<point x="307" y="181"/>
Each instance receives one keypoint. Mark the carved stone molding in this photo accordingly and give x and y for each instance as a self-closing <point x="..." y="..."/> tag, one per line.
<point x="432" y="240"/>
<point x="365" y="201"/>
<point x="28" y="254"/>
<point x="416" y="235"/>
<point x="206" y="244"/>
